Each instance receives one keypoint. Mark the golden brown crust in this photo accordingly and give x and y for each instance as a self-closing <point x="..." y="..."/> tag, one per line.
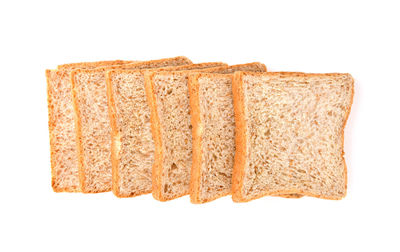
<point x="195" y="173"/>
<point x="240" y="137"/>
<point x="156" y="132"/>
<point x="344" y="124"/>
<point x="233" y="68"/>
<point x="198" y="66"/>
<point x="78" y="130"/>
<point x="94" y="64"/>
<point x="114" y="135"/>
<point x="289" y="196"/>
<point x="240" y="157"/>
<point x="150" y="64"/>
<point x="51" y="123"/>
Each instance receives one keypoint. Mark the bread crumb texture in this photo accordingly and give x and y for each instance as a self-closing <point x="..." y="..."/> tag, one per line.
<point x="218" y="134"/>
<point x="295" y="134"/>
<point x="64" y="158"/>
<point x="136" y="150"/>
<point x="95" y="130"/>
<point x="172" y="100"/>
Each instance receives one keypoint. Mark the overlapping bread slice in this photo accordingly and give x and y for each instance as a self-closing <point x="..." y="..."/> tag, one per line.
<point x="212" y="117"/>
<point x="63" y="150"/>
<point x="168" y="97"/>
<point x="132" y="148"/>
<point x="289" y="134"/>
<point x="93" y="127"/>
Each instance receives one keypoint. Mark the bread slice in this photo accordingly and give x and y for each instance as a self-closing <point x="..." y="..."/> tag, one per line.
<point x="168" y="97"/>
<point x="289" y="134"/>
<point x="212" y="118"/>
<point x="132" y="147"/>
<point x="63" y="151"/>
<point x="93" y="127"/>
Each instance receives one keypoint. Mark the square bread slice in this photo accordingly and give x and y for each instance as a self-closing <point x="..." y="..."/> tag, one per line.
<point x="132" y="147"/>
<point x="63" y="150"/>
<point x="289" y="134"/>
<point x="213" y="131"/>
<point x="168" y="97"/>
<point x="89" y="92"/>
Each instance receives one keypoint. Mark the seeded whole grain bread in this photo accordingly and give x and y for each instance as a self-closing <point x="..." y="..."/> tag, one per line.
<point x="289" y="134"/>
<point x="168" y="97"/>
<point x="63" y="150"/>
<point x="132" y="147"/>
<point x="89" y="90"/>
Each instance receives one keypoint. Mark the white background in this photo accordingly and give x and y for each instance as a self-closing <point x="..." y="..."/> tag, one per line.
<point x="361" y="38"/>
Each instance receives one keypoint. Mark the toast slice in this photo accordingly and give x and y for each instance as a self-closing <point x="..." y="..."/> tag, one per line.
<point x="213" y="131"/>
<point x="89" y="92"/>
<point x="168" y="97"/>
<point x="63" y="150"/>
<point x="289" y="134"/>
<point x="132" y="147"/>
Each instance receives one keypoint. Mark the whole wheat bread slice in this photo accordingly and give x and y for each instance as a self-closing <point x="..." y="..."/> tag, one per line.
<point x="89" y="90"/>
<point x="289" y="134"/>
<point x="132" y="147"/>
<point x="63" y="150"/>
<point x="168" y="97"/>
<point x="212" y="118"/>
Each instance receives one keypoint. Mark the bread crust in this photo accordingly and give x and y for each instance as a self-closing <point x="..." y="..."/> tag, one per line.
<point x="241" y="139"/>
<point x="156" y="132"/>
<point x="233" y="68"/>
<point x="114" y="135"/>
<point x="78" y="130"/>
<point x="94" y="64"/>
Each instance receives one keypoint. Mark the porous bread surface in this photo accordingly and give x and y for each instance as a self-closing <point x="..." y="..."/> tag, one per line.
<point x="217" y="135"/>
<point x="93" y="122"/>
<point x="294" y="135"/>
<point x="132" y="140"/>
<point x="172" y="102"/>
<point x="64" y="161"/>
<point x="132" y="144"/>
<point x="94" y="131"/>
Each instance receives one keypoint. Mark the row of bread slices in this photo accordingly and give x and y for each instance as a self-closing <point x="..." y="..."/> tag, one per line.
<point x="163" y="126"/>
